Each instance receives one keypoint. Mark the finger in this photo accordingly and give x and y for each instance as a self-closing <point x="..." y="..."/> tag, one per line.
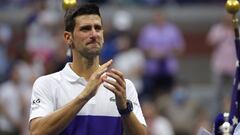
<point x="107" y="64"/>
<point x="101" y="73"/>
<point x="119" y="79"/>
<point x="112" y="89"/>
<point x="103" y="68"/>
<point x="113" y="83"/>
<point x="118" y="73"/>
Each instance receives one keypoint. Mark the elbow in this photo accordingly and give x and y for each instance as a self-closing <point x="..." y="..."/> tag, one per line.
<point x="36" y="131"/>
<point x="41" y="130"/>
<point x="33" y="130"/>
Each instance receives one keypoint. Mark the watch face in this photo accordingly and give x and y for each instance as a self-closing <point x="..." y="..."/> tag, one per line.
<point x="130" y="105"/>
<point x="128" y="109"/>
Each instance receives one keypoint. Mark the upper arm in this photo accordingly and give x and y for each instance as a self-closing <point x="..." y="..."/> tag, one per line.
<point x="42" y="102"/>
<point x="133" y="96"/>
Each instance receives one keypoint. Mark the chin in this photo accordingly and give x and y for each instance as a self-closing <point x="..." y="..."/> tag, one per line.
<point x="91" y="54"/>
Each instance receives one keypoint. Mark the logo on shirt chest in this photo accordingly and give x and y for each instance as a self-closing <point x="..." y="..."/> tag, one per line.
<point x="112" y="99"/>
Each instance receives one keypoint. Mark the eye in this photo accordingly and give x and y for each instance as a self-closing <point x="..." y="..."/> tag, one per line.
<point x="85" y="28"/>
<point x="98" y="27"/>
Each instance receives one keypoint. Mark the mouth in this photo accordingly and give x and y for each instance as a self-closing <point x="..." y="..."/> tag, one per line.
<point x="93" y="44"/>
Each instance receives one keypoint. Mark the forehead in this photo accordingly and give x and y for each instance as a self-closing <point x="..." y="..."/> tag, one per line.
<point x="88" y="20"/>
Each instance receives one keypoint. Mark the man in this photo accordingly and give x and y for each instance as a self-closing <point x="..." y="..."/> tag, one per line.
<point x="223" y="62"/>
<point x="162" y="44"/>
<point x="85" y="98"/>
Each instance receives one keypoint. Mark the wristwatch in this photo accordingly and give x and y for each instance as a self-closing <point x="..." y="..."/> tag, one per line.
<point x="127" y="110"/>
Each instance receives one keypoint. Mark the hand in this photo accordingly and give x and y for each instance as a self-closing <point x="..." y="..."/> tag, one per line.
<point x="117" y="86"/>
<point x="96" y="79"/>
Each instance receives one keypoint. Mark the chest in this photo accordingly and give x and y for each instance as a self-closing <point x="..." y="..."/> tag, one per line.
<point x="103" y="103"/>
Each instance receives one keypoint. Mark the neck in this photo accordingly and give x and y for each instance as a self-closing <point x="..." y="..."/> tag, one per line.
<point x="84" y="67"/>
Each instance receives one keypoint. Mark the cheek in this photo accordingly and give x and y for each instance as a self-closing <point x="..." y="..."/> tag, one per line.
<point x="81" y="38"/>
<point x="102" y="38"/>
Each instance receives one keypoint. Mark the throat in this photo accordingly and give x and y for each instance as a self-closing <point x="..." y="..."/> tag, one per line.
<point x="84" y="70"/>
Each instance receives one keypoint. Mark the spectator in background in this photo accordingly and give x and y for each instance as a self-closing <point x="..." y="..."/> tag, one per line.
<point x="161" y="42"/>
<point x="179" y="107"/>
<point x="130" y="60"/>
<point x="221" y="38"/>
<point x="36" y="7"/>
<point x="12" y="105"/>
<point x="5" y="37"/>
<point x="121" y="23"/>
<point x="157" y="124"/>
<point x="41" y="35"/>
<point x="29" y="70"/>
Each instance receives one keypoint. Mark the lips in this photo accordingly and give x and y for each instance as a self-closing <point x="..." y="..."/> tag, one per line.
<point x="93" y="43"/>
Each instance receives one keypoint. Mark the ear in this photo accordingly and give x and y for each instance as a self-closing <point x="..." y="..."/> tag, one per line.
<point x="68" y="39"/>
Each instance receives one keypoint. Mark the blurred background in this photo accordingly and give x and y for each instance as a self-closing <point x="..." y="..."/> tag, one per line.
<point x="179" y="54"/>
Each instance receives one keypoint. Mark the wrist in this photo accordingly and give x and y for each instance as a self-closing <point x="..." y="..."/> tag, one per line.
<point x="84" y="97"/>
<point x="126" y="110"/>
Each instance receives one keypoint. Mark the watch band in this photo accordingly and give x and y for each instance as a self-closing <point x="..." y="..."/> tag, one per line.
<point x="128" y="109"/>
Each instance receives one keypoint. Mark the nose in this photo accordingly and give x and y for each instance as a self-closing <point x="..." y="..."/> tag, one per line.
<point x="94" y="32"/>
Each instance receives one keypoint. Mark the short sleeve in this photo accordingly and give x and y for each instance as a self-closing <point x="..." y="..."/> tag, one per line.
<point x="133" y="96"/>
<point x="42" y="100"/>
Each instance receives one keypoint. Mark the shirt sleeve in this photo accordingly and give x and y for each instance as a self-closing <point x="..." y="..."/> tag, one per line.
<point x="133" y="96"/>
<point x="42" y="100"/>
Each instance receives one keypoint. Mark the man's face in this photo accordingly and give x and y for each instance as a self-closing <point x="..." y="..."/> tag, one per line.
<point x="88" y="35"/>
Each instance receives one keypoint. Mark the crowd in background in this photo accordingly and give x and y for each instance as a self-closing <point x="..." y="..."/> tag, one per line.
<point x="148" y="58"/>
<point x="25" y="3"/>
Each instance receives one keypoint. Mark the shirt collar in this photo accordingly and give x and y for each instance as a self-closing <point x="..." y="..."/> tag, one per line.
<point x="71" y="76"/>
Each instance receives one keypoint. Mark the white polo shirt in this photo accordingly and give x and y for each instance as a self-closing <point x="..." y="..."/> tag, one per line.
<point x="99" y="116"/>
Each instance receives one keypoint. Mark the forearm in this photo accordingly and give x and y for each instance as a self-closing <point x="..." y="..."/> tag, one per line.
<point x="132" y="126"/>
<point x="55" y="122"/>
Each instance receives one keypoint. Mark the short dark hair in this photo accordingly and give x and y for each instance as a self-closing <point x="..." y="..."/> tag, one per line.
<point x="83" y="9"/>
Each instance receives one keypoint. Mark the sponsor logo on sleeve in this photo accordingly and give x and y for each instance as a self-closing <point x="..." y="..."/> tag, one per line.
<point x="35" y="103"/>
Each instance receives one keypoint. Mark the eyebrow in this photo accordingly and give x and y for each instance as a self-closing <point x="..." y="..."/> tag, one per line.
<point x="89" y="26"/>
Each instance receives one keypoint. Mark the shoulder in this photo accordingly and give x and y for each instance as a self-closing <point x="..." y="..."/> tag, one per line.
<point x="129" y="83"/>
<point x="47" y="81"/>
<point x="48" y="78"/>
<point x="130" y="88"/>
<point x="46" y="86"/>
